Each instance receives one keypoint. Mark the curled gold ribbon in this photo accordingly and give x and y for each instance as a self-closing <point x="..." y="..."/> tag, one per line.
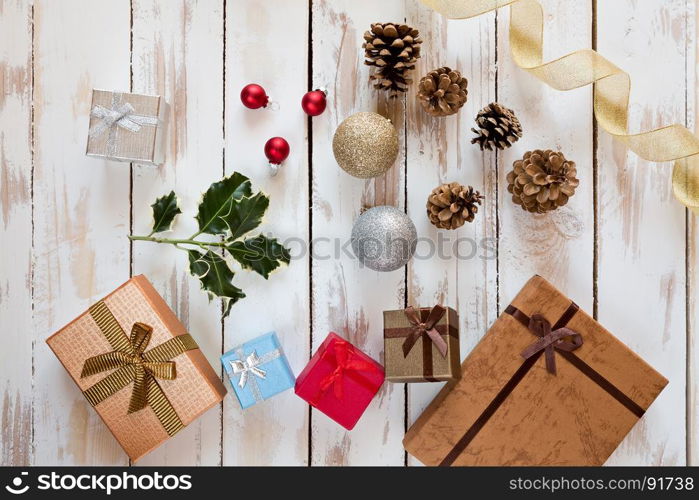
<point x="134" y="364"/>
<point x="611" y="86"/>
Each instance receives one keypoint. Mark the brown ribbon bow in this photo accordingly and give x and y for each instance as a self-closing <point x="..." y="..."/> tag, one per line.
<point x="425" y="328"/>
<point x="132" y="363"/>
<point x="563" y="339"/>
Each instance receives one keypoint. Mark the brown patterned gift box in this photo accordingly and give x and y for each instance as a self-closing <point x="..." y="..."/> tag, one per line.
<point x="138" y="366"/>
<point x="421" y="345"/>
<point x="547" y="385"/>
<point x="127" y="127"/>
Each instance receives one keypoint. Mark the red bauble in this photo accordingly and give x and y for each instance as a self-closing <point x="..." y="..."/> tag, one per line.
<point x="276" y="150"/>
<point x="314" y="102"/>
<point x="254" y="96"/>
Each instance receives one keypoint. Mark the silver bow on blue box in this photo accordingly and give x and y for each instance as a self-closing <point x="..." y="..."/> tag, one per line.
<point x="127" y="127"/>
<point x="248" y="368"/>
<point x="258" y="370"/>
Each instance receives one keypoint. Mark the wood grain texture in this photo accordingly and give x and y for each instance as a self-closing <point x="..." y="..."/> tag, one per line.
<point x="347" y="298"/>
<point x="267" y="43"/>
<point x="81" y="212"/>
<point x="622" y="248"/>
<point x="16" y="232"/>
<point x="558" y="245"/>
<point x="641" y="227"/>
<point x="692" y="244"/>
<point x="455" y="268"/>
<point x="178" y="53"/>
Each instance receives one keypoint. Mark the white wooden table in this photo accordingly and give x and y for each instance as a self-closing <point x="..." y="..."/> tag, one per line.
<point x="624" y="249"/>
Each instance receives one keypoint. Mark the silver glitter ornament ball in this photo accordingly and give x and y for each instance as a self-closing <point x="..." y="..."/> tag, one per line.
<point x="384" y="239"/>
<point x="365" y="145"/>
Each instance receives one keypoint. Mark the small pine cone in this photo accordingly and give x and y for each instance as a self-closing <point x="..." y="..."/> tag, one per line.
<point x="393" y="49"/>
<point x="442" y="91"/>
<point x="449" y="206"/>
<point x="542" y="181"/>
<point x="497" y="126"/>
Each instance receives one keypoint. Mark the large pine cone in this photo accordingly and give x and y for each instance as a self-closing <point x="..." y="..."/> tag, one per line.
<point x="449" y="206"/>
<point x="442" y="91"/>
<point x="542" y="181"/>
<point x="497" y="127"/>
<point x="393" y="49"/>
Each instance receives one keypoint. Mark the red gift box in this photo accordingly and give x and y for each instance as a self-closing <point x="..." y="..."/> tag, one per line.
<point x="340" y="380"/>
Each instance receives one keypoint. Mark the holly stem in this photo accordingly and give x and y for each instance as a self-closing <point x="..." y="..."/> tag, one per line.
<point x="190" y="241"/>
<point x="171" y="241"/>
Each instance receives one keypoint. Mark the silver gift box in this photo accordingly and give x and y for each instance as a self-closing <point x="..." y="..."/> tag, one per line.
<point x="127" y="127"/>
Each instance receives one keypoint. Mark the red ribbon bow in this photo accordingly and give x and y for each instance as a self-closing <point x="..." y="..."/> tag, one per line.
<point x="550" y="340"/>
<point x="425" y="328"/>
<point x="347" y="362"/>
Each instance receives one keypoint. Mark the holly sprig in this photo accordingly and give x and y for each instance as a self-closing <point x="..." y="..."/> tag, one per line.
<point x="230" y="210"/>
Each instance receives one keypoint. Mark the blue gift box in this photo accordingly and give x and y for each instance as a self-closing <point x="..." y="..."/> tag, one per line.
<point x="258" y="370"/>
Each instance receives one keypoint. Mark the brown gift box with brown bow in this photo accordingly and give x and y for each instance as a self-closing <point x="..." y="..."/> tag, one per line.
<point x="547" y="385"/>
<point x="421" y="345"/>
<point x="137" y="365"/>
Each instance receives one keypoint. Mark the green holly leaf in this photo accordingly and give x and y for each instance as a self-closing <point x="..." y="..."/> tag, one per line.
<point x="216" y="277"/>
<point x="246" y="214"/>
<point x="260" y="254"/>
<point x="164" y="210"/>
<point x="218" y="201"/>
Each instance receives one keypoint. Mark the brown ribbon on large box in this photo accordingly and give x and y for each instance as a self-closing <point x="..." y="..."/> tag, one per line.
<point x="557" y="338"/>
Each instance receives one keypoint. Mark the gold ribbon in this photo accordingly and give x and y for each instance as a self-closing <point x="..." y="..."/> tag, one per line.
<point x="135" y="364"/>
<point x="612" y="87"/>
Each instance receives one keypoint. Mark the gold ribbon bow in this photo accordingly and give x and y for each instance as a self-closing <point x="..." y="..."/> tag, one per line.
<point x="612" y="87"/>
<point x="134" y="364"/>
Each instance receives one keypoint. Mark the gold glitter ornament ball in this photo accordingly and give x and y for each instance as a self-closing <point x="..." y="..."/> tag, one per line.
<point x="365" y="145"/>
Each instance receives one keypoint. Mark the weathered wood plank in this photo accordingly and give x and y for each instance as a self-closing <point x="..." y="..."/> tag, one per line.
<point x="455" y="268"/>
<point x="16" y="232"/>
<point x="267" y="43"/>
<point x="81" y="216"/>
<point x="641" y="227"/>
<point x="178" y="53"/>
<point x="558" y="245"/>
<point x="692" y="244"/>
<point x="348" y="299"/>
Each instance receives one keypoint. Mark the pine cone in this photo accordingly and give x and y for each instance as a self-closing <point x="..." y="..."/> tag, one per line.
<point x="542" y="181"/>
<point x="498" y="126"/>
<point x="393" y="48"/>
<point x="449" y="206"/>
<point x="442" y="91"/>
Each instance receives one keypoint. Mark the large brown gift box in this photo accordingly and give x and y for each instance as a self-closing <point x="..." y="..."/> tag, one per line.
<point x="547" y="385"/>
<point x="421" y="345"/>
<point x="137" y="365"/>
